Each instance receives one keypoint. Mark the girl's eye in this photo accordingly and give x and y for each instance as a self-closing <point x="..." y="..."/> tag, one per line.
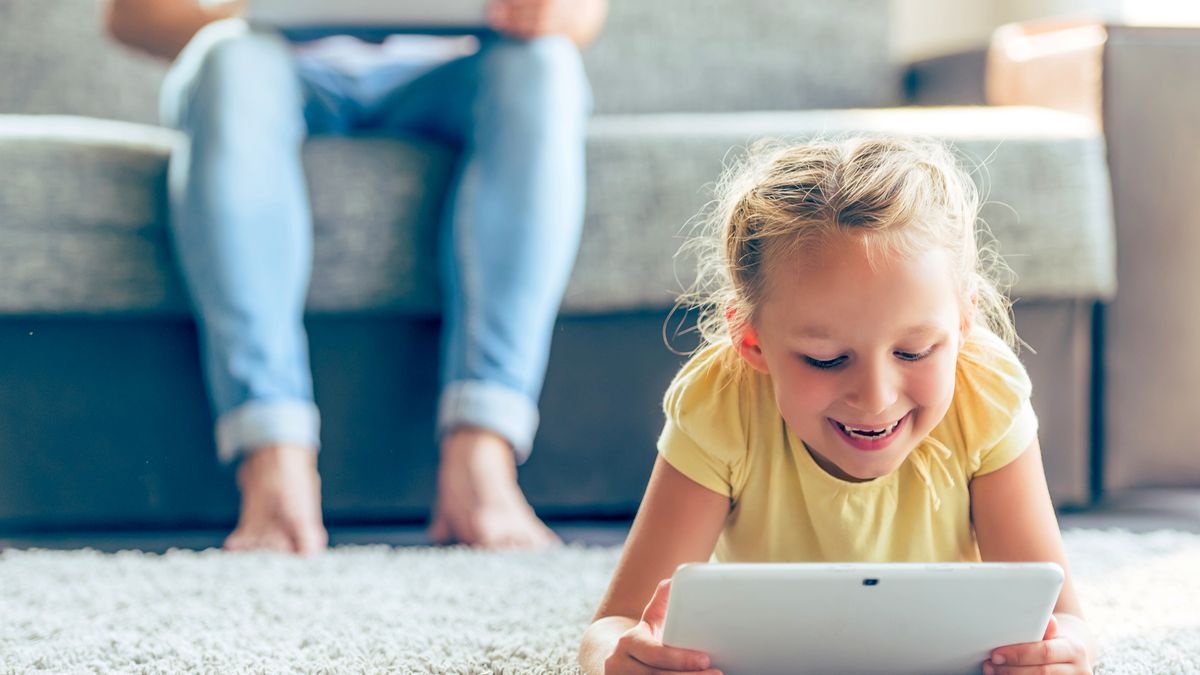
<point x="824" y="365"/>
<point x="913" y="356"/>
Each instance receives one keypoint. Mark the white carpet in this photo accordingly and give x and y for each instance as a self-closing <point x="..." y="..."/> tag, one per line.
<point x="376" y="609"/>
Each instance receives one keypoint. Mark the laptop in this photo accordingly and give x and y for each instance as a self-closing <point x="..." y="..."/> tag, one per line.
<point x="424" y="16"/>
<point x="903" y="618"/>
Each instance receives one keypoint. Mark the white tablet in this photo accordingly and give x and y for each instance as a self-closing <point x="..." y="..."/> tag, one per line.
<point x="435" y="15"/>
<point x="858" y="618"/>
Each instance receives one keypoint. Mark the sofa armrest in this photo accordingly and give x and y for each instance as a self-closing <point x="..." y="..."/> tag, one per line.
<point x="1150" y="108"/>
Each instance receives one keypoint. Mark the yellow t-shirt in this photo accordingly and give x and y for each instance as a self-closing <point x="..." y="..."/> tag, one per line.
<point x="725" y="432"/>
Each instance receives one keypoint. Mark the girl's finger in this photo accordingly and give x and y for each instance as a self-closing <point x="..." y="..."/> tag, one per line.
<point x="1051" y="629"/>
<point x="653" y="654"/>
<point x="1052" y="669"/>
<point x="1057" y="650"/>
<point x="656" y="610"/>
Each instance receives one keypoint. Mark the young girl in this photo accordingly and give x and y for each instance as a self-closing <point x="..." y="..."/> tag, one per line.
<point x="857" y="399"/>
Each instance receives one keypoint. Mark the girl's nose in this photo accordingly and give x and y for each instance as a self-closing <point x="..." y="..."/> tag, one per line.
<point x="874" y="392"/>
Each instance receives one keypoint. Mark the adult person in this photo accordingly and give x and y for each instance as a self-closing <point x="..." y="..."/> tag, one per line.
<point x="515" y="101"/>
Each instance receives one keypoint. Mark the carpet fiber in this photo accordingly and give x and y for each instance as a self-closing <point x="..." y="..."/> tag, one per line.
<point x="379" y="609"/>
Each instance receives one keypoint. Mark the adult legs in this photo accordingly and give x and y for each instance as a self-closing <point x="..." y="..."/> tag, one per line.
<point x="242" y="233"/>
<point x="518" y="111"/>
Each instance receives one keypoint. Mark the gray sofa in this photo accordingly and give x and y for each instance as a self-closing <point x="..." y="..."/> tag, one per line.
<point x="103" y="419"/>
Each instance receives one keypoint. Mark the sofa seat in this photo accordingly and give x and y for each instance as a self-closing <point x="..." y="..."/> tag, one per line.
<point x="84" y="204"/>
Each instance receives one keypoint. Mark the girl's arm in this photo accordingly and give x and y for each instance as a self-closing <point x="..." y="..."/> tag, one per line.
<point x="678" y="522"/>
<point x="1015" y="522"/>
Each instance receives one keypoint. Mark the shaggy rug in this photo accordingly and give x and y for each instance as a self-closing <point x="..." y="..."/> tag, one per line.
<point x="379" y="609"/>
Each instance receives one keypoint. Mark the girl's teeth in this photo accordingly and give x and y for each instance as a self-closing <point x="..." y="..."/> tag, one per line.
<point x="871" y="433"/>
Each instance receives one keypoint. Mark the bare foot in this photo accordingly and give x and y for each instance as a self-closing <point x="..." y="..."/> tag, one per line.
<point x="479" y="502"/>
<point x="281" y="502"/>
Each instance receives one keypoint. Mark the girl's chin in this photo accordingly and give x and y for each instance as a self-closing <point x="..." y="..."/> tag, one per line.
<point x="862" y="475"/>
<point x="856" y="474"/>
<point x="860" y="469"/>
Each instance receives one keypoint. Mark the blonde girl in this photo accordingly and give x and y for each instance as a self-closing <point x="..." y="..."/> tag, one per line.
<point x="857" y="399"/>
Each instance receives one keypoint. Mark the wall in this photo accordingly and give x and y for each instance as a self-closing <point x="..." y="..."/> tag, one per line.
<point x="927" y="28"/>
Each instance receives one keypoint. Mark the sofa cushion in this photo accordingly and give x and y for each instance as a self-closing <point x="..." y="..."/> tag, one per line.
<point x="58" y="60"/>
<point x="83" y="207"/>
<point x="728" y="55"/>
<point x="714" y="54"/>
<point x="1042" y="173"/>
<point x="83" y="214"/>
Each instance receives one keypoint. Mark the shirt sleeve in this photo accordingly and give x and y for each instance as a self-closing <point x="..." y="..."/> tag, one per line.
<point x="1021" y="433"/>
<point x="703" y="437"/>
<point x="997" y="414"/>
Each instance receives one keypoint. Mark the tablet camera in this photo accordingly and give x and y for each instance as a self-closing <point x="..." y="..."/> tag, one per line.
<point x="870" y="582"/>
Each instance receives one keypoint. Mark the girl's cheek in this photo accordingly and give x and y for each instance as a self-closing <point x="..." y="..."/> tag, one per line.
<point x="807" y="394"/>
<point x="933" y="386"/>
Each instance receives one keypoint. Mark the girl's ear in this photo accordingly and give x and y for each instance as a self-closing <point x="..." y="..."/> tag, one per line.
<point x="968" y="320"/>
<point x="746" y="344"/>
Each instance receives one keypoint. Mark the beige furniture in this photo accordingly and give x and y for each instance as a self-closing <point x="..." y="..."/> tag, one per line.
<point x="1151" y="96"/>
<point x="1141" y="80"/>
<point x="1054" y="63"/>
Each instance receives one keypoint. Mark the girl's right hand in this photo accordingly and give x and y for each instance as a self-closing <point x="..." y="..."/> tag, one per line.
<point x="640" y="649"/>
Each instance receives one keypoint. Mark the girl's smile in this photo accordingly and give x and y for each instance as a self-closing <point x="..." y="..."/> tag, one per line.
<point x="870" y="437"/>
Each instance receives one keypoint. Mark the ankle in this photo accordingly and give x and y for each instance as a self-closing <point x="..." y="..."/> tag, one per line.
<point x="477" y="456"/>
<point x="469" y="441"/>
<point x="273" y="458"/>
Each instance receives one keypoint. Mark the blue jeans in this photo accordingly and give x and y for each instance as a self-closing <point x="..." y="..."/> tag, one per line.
<point x="242" y="227"/>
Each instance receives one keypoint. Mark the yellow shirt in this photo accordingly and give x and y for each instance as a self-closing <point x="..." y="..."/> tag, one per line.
<point x="725" y="432"/>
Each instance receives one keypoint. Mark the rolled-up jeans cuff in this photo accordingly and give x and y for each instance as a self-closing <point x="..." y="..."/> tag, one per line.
<point x="258" y="423"/>
<point x="490" y="406"/>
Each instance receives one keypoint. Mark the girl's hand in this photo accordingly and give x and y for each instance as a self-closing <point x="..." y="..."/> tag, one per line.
<point x="1055" y="654"/>
<point x="640" y="649"/>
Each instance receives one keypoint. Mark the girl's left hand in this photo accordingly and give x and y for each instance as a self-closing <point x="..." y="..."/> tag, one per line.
<point x="1056" y="654"/>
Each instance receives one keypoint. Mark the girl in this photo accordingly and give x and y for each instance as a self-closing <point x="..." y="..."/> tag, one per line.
<point x="857" y="399"/>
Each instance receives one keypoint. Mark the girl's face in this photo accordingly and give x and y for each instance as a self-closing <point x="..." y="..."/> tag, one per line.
<point x="862" y="359"/>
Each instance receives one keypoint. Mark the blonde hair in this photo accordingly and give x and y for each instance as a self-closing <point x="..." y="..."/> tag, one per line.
<point x="899" y="195"/>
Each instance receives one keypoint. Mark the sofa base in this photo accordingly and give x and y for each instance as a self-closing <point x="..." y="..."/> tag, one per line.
<point x="104" y="421"/>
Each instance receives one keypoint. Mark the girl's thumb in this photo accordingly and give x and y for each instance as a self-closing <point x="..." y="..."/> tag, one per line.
<point x="1051" y="628"/>
<point x="656" y="611"/>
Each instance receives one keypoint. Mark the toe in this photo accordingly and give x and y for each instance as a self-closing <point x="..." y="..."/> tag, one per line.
<point x="550" y="538"/>
<point x="237" y="541"/>
<point x="276" y="541"/>
<point x="310" y="540"/>
<point x="439" y="530"/>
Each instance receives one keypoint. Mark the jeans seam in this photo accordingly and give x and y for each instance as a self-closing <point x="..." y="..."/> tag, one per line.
<point x="466" y="270"/>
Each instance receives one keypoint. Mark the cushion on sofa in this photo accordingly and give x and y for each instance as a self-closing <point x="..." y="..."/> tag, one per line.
<point x="715" y="55"/>
<point x="1042" y="174"/>
<point x="85" y="219"/>
<point x="723" y="55"/>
